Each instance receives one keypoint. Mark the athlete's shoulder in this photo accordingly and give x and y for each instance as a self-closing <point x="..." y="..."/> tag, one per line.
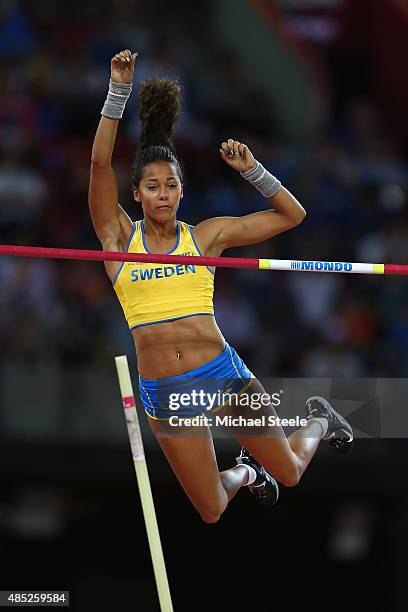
<point x="206" y="229"/>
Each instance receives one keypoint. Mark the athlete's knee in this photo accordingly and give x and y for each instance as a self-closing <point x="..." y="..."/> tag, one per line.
<point x="210" y="518"/>
<point x="291" y="476"/>
<point x="290" y="481"/>
<point x="211" y="513"/>
<point x="288" y="473"/>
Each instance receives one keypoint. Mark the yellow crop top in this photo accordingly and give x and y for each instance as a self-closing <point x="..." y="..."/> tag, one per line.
<point x="155" y="293"/>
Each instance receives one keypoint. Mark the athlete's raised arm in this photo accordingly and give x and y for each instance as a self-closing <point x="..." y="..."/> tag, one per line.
<point x="110" y="221"/>
<point x="220" y="233"/>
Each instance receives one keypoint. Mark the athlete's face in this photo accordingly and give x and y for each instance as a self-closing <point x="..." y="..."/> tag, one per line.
<point x="159" y="191"/>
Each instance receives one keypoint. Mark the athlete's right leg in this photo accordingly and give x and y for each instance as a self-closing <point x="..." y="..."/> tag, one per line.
<point x="191" y="454"/>
<point x="285" y="458"/>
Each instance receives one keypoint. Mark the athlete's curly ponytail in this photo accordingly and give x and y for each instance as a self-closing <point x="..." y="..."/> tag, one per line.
<point x="159" y="101"/>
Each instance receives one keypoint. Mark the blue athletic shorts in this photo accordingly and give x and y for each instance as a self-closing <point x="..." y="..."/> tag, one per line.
<point x="200" y="391"/>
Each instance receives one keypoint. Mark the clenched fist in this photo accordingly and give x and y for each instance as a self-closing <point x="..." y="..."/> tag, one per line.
<point x="123" y="66"/>
<point x="237" y="155"/>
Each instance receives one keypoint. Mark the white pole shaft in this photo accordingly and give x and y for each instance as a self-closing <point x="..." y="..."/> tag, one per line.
<point x="142" y="475"/>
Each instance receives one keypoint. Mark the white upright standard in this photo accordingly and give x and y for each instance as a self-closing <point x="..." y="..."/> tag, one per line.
<point x="142" y="475"/>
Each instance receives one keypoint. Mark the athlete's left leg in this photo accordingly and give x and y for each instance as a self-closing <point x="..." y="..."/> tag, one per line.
<point x="190" y="452"/>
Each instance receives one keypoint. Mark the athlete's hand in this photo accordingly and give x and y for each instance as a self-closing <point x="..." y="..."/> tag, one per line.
<point x="123" y="66"/>
<point x="237" y="155"/>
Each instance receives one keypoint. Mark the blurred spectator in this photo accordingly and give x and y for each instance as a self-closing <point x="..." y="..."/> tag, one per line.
<point x="23" y="193"/>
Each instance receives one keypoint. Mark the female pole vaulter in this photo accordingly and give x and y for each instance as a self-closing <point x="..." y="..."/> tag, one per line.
<point x="169" y="309"/>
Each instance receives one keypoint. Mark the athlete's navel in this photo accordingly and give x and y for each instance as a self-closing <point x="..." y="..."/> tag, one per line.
<point x="178" y="354"/>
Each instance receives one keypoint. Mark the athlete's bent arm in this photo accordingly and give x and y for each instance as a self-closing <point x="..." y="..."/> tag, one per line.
<point x="110" y="221"/>
<point x="220" y="233"/>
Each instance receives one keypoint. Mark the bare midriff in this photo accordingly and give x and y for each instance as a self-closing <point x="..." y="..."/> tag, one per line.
<point x="176" y="347"/>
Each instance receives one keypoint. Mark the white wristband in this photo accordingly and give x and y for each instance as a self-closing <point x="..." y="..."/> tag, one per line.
<point x="262" y="180"/>
<point x="117" y="97"/>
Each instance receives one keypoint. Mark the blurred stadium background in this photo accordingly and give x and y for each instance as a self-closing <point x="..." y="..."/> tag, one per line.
<point x="318" y="90"/>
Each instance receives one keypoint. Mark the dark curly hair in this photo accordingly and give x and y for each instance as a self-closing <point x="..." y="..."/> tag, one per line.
<point x="159" y="109"/>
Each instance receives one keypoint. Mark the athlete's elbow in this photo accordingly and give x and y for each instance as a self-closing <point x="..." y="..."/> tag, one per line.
<point x="298" y="217"/>
<point x="99" y="161"/>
